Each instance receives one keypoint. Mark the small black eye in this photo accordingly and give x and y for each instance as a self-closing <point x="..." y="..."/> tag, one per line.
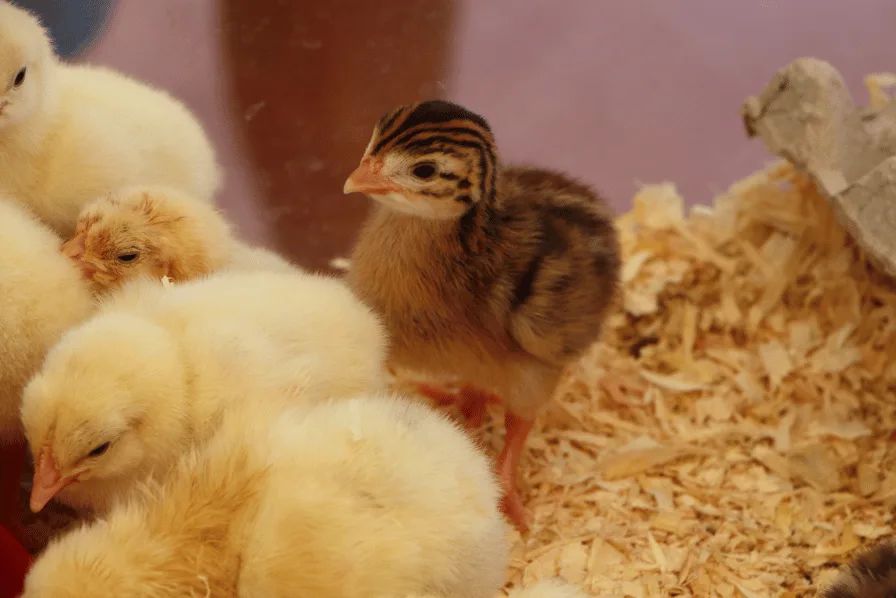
<point x="99" y="450"/>
<point x="424" y="171"/>
<point x="20" y="78"/>
<point x="127" y="257"/>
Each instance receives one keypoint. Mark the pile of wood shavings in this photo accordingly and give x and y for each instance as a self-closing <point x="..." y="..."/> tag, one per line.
<point x="732" y="435"/>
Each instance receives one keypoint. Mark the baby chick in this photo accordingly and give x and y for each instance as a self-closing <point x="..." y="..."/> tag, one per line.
<point x="870" y="575"/>
<point x="70" y="133"/>
<point x="500" y="275"/>
<point x="41" y="296"/>
<point x="158" y="231"/>
<point x="125" y="393"/>
<point x="331" y="500"/>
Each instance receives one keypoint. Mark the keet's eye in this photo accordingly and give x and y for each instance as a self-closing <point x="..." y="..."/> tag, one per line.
<point x="127" y="257"/>
<point x="424" y="171"/>
<point x="99" y="450"/>
<point x="20" y="78"/>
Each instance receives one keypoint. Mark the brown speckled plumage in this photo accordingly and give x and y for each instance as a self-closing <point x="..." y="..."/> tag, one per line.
<point x="498" y="275"/>
<point x="872" y="574"/>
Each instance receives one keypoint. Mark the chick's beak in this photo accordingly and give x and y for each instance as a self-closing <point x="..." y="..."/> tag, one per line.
<point x="368" y="179"/>
<point x="75" y="249"/>
<point x="48" y="482"/>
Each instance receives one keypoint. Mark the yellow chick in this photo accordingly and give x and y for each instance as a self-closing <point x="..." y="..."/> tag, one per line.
<point x="70" y="133"/>
<point x="42" y="296"/>
<point x="129" y="390"/>
<point x="156" y="231"/>
<point x="333" y="500"/>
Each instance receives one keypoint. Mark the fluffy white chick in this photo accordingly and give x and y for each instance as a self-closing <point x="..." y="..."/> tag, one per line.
<point x="41" y="296"/>
<point x="70" y="133"/>
<point x="333" y="500"/>
<point x="156" y="231"/>
<point x="125" y="393"/>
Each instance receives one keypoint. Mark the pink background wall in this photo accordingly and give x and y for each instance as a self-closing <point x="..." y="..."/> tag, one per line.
<point x="614" y="92"/>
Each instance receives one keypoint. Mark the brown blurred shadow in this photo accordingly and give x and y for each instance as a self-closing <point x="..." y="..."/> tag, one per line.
<point x="310" y="79"/>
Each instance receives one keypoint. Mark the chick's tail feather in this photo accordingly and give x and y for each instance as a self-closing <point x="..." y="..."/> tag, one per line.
<point x="872" y="574"/>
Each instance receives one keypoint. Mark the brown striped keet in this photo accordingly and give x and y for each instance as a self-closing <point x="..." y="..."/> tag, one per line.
<point x="497" y="275"/>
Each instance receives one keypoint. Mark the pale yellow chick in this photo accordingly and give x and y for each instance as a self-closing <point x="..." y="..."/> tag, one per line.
<point x="156" y="231"/>
<point x="71" y="133"/>
<point x="369" y="496"/>
<point x="41" y="296"/>
<point x="133" y="387"/>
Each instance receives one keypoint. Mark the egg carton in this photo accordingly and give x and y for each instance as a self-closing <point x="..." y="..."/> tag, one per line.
<point x="807" y="116"/>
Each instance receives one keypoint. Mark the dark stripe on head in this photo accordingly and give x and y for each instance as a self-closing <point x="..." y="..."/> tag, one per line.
<point x="390" y="118"/>
<point x="403" y="138"/>
<point x="440" y="111"/>
<point x="427" y="143"/>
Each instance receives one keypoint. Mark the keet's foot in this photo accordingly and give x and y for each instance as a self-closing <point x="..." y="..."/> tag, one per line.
<point x="441" y="396"/>
<point x="472" y="403"/>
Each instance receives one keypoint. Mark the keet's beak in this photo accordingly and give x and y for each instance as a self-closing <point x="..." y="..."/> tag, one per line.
<point x="48" y="482"/>
<point x="367" y="179"/>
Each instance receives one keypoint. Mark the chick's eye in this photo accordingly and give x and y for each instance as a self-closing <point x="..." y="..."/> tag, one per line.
<point x="99" y="450"/>
<point x="20" y="78"/>
<point x="127" y="257"/>
<point x="424" y="171"/>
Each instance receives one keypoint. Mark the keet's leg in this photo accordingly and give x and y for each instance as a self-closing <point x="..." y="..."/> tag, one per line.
<point x="517" y="430"/>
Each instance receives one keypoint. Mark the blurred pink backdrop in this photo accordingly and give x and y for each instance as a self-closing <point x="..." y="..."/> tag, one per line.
<point x="614" y="92"/>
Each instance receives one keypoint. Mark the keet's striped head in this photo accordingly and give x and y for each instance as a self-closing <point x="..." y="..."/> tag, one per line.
<point x="432" y="159"/>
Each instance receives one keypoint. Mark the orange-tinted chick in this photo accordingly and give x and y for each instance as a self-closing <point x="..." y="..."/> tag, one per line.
<point x="498" y="275"/>
<point x="148" y="231"/>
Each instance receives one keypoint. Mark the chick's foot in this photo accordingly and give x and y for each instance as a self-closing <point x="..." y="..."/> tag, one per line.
<point x="517" y="430"/>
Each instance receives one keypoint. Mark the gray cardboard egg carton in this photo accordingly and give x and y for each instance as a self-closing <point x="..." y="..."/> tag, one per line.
<point x="807" y="116"/>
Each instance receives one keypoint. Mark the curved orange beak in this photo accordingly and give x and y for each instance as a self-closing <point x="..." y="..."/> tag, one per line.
<point x="48" y="481"/>
<point x="368" y="179"/>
